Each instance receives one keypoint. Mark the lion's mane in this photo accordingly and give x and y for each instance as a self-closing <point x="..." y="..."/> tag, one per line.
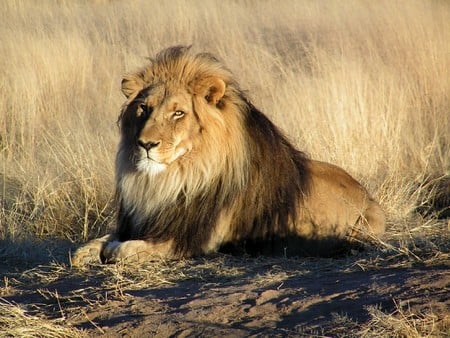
<point x="244" y="163"/>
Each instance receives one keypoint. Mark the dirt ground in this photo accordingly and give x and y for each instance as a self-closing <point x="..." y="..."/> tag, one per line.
<point x="364" y="294"/>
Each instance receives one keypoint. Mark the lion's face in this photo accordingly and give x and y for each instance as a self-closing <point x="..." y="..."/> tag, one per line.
<point x="166" y="128"/>
<point x="162" y="123"/>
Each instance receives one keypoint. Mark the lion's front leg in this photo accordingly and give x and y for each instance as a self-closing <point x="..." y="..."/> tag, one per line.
<point x="91" y="252"/>
<point x="136" y="251"/>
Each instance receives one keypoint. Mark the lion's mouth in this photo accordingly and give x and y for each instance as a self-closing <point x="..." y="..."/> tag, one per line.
<point x="151" y="166"/>
<point x="157" y="161"/>
<point x="152" y="159"/>
<point x="151" y="156"/>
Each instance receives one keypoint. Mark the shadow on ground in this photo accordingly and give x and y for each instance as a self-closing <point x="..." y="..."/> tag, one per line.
<point x="228" y="296"/>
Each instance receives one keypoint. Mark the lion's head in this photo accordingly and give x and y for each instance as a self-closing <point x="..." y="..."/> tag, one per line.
<point x="166" y="115"/>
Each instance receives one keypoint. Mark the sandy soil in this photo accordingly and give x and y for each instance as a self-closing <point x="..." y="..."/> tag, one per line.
<point x="235" y="297"/>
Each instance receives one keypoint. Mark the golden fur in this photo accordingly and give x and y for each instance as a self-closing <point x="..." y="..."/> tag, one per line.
<point x="200" y="169"/>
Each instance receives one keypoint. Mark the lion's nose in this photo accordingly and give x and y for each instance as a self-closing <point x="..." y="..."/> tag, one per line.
<point x="148" y="145"/>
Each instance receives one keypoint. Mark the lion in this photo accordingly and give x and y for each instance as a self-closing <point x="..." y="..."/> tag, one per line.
<point x="200" y="169"/>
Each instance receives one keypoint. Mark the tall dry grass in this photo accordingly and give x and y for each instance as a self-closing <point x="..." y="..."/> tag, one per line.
<point x="361" y="84"/>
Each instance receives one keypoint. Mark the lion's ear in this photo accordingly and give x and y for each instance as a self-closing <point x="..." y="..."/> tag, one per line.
<point x="211" y="88"/>
<point x="132" y="84"/>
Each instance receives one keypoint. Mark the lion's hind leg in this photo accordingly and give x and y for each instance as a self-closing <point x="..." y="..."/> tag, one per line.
<point x="375" y="218"/>
<point x="91" y="252"/>
<point x="370" y="225"/>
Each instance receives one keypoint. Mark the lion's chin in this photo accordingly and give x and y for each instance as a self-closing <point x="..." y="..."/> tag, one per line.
<point x="151" y="167"/>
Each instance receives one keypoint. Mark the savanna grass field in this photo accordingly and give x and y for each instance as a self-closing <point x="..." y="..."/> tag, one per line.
<point x="361" y="84"/>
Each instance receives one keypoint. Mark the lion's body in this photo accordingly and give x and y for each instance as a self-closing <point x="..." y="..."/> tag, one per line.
<point x="199" y="168"/>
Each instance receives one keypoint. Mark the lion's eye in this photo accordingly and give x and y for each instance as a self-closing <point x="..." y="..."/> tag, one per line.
<point x="144" y="110"/>
<point x="178" y="114"/>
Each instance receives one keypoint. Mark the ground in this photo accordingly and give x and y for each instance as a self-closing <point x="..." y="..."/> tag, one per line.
<point x="382" y="291"/>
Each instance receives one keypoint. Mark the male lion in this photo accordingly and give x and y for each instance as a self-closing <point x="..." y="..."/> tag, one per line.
<point x="200" y="169"/>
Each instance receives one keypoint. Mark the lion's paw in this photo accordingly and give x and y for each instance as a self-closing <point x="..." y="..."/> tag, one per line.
<point x="90" y="253"/>
<point x="132" y="251"/>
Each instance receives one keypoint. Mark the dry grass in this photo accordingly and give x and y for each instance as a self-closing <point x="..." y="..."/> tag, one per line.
<point x="16" y="322"/>
<point x="361" y="84"/>
<point x="364" y="85"/>
<point x="405" y="323"/>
